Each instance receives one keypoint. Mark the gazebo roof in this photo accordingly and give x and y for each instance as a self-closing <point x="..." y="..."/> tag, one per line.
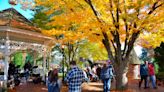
<point x="18" y="28"/>
<point x="11" y="17"/>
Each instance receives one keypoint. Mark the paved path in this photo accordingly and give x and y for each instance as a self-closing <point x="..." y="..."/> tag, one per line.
<point x="30" y="87"/>
<point x="87" y="87"/>
<point x="134" y="85"/>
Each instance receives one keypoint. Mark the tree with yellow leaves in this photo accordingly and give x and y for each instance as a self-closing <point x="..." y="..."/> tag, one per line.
<point x="151" y="40"/>
<point x="117" y="23"/>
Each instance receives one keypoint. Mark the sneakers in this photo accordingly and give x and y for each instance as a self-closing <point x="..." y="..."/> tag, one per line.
<point x="139" y="85"/>
<point x="146" y="87"/>
<point x="155" y="87"/>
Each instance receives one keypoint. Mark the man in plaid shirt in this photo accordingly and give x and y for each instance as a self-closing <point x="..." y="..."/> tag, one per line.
<point x="74" y="78"/>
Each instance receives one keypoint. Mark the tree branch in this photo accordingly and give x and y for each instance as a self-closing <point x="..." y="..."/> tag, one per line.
<point x="127" y="36"/>
<point x="117" y="15"/>
<point x="69" y="52"/>
<point x="116" y="23"/>
<point x="74" y="51"/>
<point x="111" y="6"/>
<point x="131" y="43"/>
<point x="79" y="4"/>
<point x="154" y="7"/>
<point x="113" y="45"/>
<point x="96" y="13"/>
<point x="107" y="46"/>
<point x="159" y="5"/>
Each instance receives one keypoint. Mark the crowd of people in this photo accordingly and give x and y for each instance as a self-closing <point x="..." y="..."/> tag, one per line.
<point x="13" y="69"/>
<point x="73" y="79"/>
<point x="76" y="76"/>
<point x="147" y="73"/>
<point x="18" y="74"/>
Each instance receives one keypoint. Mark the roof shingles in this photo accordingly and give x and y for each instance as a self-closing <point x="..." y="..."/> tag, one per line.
<point x="11" y="17"/>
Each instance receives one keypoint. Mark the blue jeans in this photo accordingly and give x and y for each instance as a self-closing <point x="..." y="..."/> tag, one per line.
<point x="76" y="90"/>
<point x="107" y="84"/>
<point x="153" y="80"/>
<point x="27" y="74"/>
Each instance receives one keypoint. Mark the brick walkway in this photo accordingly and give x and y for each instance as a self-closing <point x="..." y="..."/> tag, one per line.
<point x="87" y="87"/>
<point x="30" y="87"/>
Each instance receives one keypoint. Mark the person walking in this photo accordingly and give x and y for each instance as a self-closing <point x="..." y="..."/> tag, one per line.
<point x="152" y="74"/>
<point x="27" y="69"/>
<point x="144" y="74"/>
<point x="11" y="70"/>
<point x="74" y="78"/>
<point x="98" y="71"/>
<point x="54" y="84"/>
<point x="106" y="76"/>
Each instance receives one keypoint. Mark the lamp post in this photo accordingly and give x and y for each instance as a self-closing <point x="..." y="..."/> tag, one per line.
<point x="62" y="48"/>
<point x="13" y="2"/>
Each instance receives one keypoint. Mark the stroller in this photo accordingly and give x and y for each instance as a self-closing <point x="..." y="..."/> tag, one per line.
<point x="14" y="77"/>
<point x="36" y="75"/>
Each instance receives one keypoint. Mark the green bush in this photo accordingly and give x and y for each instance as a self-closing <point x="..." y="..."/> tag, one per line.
<point x="156" y="68"/>
<point x="3" y="89"/>
<point x="160" y="75"/>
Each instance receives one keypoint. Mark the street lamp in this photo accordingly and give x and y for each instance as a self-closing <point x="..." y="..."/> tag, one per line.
<point x="62" y="48"/>
<point x="13" y="2"/>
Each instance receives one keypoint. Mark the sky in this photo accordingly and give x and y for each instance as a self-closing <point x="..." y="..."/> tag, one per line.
<point x="138" y="50"/>
<point x="5" y="5"/>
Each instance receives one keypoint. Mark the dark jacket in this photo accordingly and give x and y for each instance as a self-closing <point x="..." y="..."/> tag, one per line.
<point x="106" y="72"/>
<point x="143" y="69"/>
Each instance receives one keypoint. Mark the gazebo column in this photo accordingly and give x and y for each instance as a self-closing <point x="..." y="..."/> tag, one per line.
<point x="7" y="43"/>
<point x="44" y="64"/>
<point x="34" y="56"/>
<point x="49" y="60"/>
<point x="24" y="57"/>
<point x="34" y="60"/>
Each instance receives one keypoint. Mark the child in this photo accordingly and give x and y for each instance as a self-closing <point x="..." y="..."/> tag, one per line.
<point x="53" y="82"/>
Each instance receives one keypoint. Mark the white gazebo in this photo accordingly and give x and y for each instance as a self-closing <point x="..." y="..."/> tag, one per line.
<point x="18" y="33"/>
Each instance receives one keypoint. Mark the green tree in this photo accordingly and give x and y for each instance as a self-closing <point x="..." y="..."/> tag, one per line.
<point x="159" y="56"/>
<point x="18" y="59"/>
<point x="29" y="58"/>
<point x="40" y="19"/>
<point x="92" y="50"/>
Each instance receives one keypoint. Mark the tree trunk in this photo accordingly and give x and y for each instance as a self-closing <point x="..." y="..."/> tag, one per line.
<point x="121" y="75"/>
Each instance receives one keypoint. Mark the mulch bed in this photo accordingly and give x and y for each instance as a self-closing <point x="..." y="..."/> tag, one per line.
<point x="160" y="83"/>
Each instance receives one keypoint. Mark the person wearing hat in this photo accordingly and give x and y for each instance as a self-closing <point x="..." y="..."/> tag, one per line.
<point x="106" y="76"/>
